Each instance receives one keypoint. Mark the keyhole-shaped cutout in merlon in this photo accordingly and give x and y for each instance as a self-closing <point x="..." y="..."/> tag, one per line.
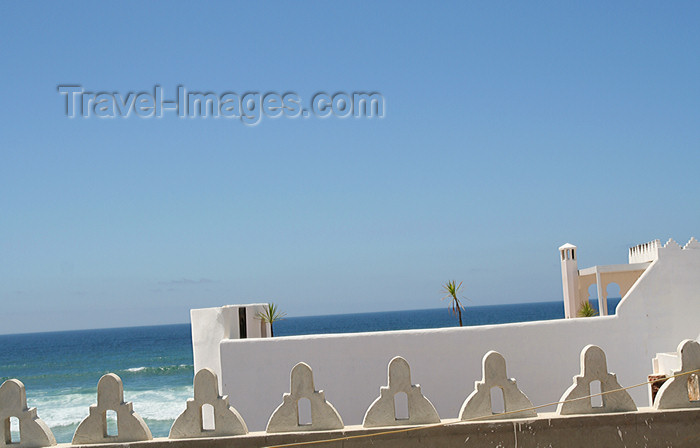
<point x="111" y="426"/>
<point x="208" y="423"/>
<point x="594" y="389"/>
<point x="304" y="410"/>
<point x="693" y="387"/>
<point x="401" y="406"/>
<point x="12" y="428"/>
<point x="498" y="404"/>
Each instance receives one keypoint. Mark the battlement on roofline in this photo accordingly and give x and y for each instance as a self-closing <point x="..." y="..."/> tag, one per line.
<point x="646" y="252"/>
<point x="576" y="282"/>
<point x="659" y="307"/>
<point x="209" y="415"/>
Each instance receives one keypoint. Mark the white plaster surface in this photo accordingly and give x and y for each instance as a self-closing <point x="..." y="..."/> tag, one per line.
<point x="210" y="326"/>
<point x="666" y="363"/>
<point x="624" y="275"/>
<point x="674" y="392"/>
<point x="286" y="416"/>
<point x="33" y="432"/>
<point x="478" y="404"/>
<point x="658" y="312"/>
<point x="190" y="424"/>
<point x="570" y="279"/>
<point x="646" y="252"/>
<point x="110" y="397"/>
<point x="382" y="411"/>
<point x="594" y="368"/>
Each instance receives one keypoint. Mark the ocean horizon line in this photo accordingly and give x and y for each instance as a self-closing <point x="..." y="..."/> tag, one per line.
<point x="433" y="309"/>
<point x="61" y="369"/>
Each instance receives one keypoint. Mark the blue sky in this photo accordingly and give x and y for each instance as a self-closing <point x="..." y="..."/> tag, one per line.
<point x="509" y="129"/>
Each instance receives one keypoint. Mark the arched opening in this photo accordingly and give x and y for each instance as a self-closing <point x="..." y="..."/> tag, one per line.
<point x="592" y="298"/>
<point x="304" y="411"/>
<point x="593" y="294"/>
<point x="208" y="421"/>
<point x="594" y="389"/>
<point x="401" y="406"/>
<point x="614" y="296"/>
<point x="13" y="435"/>
<point x="498" y="403"/>
<point x="693" y="387"/>
<point x="111" y="426"/>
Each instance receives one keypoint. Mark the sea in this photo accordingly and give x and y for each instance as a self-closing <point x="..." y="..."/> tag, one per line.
<point x="60" y="370"/>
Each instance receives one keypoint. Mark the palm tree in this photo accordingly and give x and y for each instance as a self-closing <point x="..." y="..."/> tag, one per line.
<point x="456" y="307"/>
<point x="587" y="310"/>
<point x="270" y="315"/>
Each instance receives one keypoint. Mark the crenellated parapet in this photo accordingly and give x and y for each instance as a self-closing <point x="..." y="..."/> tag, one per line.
<point x="651" y="251"/>
<point x="679" y="392"/>
<point x="645" y="252"/>
<point x="577" y="282"/>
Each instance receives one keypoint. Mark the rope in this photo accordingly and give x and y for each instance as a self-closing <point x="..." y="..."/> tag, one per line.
<point x="484" y="417"/>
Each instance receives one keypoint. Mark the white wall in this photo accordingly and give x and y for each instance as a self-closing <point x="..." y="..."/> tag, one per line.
<point x="212" y="325"/>
<point x="656" y="314"/>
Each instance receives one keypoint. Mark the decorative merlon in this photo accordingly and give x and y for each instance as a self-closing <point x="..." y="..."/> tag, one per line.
<point x="671" y="244"/>
<point x="682" y="391"/>
<point x="692" y="244"/>
<point x="478" y="403"/>
<point x="33" y="432"/>
<point x="382" y="412"/>
<point x="286" y="416"/>
<point x="594" y="368"/>
<point x="191" y="423"/>
<point x="110" y="397"/>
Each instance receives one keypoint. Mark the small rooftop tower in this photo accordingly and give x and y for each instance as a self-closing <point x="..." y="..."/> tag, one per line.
<point x="569" y="279"/>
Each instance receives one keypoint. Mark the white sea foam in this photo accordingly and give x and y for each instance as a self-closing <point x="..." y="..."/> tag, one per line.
<point x="70" y="409"/>
<point x="135" y="369"/>
<point x="160" y="404"/>
<point x="64" y="409"/>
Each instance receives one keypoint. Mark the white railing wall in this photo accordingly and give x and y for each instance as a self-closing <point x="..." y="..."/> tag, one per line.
<point x="577" y="399"/>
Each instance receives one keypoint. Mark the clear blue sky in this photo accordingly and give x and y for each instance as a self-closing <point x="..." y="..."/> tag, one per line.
<point x="510" y="128"/>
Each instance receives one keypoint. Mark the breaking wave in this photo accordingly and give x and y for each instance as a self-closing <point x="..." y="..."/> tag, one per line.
<point x="63" y="412"/>
<point x="158" y="370"/>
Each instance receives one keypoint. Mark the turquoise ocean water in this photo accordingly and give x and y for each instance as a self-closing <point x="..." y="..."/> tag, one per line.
<point x="60" y="370"/>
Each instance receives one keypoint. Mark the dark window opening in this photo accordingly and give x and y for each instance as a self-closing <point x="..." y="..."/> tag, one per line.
<point x="242" y="324"/>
